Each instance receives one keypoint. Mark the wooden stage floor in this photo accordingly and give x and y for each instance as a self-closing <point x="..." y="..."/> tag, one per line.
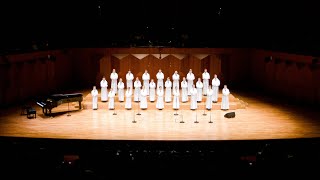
<point x="257" y="118"/>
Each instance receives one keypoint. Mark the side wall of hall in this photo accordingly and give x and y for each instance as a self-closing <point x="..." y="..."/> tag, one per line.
<point x="291" y="76"/>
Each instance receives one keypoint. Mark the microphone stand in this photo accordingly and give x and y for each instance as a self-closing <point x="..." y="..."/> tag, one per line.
<point x="176" y="113"/>
<point x="114" y="110"/>
<point x="204" y="111"/>
<point x="196" y="118"/>
<point x="181" y="119"/>
<point x="134" y="118"/>
<point x="138" y="109"/>
<point x="210" y="118"/>
<point x="68" y="107"/>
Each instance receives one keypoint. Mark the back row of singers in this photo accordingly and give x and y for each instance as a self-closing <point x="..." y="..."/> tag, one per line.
<point x="160" y="77"/>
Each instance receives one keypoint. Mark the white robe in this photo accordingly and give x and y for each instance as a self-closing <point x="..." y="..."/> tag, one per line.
<point x="152" y="92"/>
<point x="160" y="77"/>
<point x="137" y="89"/>
<point x="121" y="91"/>
<point x="190" y="78"/>
<point x="193" y="102"/>
<point x="184" y="87"/>
<point x="128" y="104"/>
<point x="104" y="90"/>
<point x="176" y="104"/>
<point x="167" y="96"/>
<point x="143" y="99"/>
<point x="94" y="94"/>
<point x="160" y="103"/>
<point x="175" y="81"/>
<point x="199" y="86"/>
<point x="215" y="88"/>
<point x="146" y="78"/>
<point x="225" y="99"/>
<point x="129" y="78"/>
<point x="111" y="100"/>
<point x="209" y="99"/>
<point x="114" y="78"/>
<point x="206" y="78"/>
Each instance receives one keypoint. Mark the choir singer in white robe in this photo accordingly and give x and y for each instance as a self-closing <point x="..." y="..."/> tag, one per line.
<point x="209" y="98"/>
<point x="176" y="95"/>
<point x="111" y="96"/>
<point x="160" y="103"/>
<point x="104" y="89"/>
<point x="146" y="79"/>
<point x="114" y="79"/>
<point x="215" y="88"/>
<point x="225" y="98"/>
<point x="94" y="94"/>
<point x="184" y="90"/>
<point x="199" y="86"/>
<point x="193" y="102"/>
<point x="152" y="92"/>
<point x="128" y="104"/>
<point x="120" y="90"/>
<point x="160" y="77"/>
<point x="143" y="98"/>
<point x="129" y="78"/>
<point x="167" y="95"/>
<point x="190" y="78"/>
<point x="175" y="79"/>
<point x="137" y="86"/>
<point x="205" y="78"/>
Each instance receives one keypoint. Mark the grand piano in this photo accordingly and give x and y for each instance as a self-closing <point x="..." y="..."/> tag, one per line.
<point x="55" y="100"/>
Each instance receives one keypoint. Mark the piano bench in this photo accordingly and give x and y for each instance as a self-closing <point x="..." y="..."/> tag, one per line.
<point x="24" y="110"/>
<point x="31" y="113"/>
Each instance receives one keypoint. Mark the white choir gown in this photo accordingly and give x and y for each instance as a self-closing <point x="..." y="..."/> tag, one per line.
<point x="146" y="78"/>
<point x="225" y="99"/>
<point x="190" y="78"/>
<point x="175" y="81"/>
<point x="206" y="78"/>
<point x="114" y="78"/>
<point x="199" y="86"/>
<point x="209" y="99"/>
<point x="143" y="100"/>
<point x="160" y="103"/>
<point x="137" y="89"/>
<point x="121" y="91"/>
<point x="176" y="104"/>
<point x="152" y="92"/>
<point x="104" y="90"/>
<point x="167" y="96"/>
<point x="184" y="91"/>
<point x="160" y="77"/>
<point x="111" y="96"/>
<point x="215" y="88"/>
<point x="129" y="78"/>
<point x="94" y="94"/>
<point x="193" y="102"/>
<point x="128" y="104"/>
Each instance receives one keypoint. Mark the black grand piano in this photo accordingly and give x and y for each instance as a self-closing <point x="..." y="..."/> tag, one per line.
<point x="56" y="99"/>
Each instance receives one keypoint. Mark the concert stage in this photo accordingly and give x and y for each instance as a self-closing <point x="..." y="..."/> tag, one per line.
<point x="257" y="118"/>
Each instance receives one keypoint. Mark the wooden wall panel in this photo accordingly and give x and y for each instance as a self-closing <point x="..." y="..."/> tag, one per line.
<point x="285" y="75"/>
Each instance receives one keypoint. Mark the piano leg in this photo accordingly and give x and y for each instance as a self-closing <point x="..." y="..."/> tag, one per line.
<point x="79" y="104"/>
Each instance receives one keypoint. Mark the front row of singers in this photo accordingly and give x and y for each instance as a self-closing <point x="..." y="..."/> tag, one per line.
<point x="141" y="96"/>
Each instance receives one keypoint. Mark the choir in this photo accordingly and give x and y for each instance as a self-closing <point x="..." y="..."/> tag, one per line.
<point x="161" y="92"/>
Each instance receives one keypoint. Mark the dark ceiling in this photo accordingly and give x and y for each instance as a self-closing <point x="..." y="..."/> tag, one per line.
<point x="174" y="23"/>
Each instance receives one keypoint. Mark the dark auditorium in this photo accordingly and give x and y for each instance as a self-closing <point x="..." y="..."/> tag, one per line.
<point x="159" y="89"/>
